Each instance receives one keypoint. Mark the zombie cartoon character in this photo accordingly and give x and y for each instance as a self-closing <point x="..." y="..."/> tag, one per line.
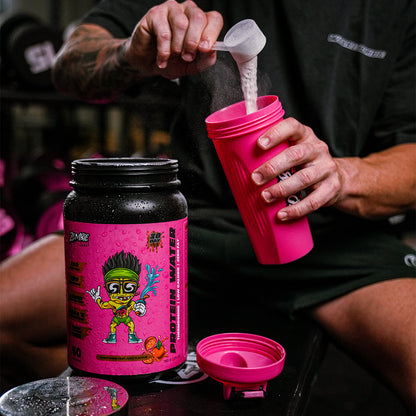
<point x="121" y="281"/>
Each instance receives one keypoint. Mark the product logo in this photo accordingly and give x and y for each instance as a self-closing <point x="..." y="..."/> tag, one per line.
<point x="188" y="373"/>
<point x="291" y="199"/>
<point x="154" y="241"/>
<point x="80" y="237"/>
<point x="356" y="47"/>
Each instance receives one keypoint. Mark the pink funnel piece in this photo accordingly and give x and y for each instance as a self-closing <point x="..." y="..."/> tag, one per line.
<point x="241" y="362"/>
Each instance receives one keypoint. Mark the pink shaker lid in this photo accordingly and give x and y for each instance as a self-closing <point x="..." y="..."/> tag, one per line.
<point x="242" y="362"/>
<point x="233" y="119"/>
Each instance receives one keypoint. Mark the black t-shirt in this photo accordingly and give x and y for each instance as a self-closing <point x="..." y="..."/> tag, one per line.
<point x="344" y="68"/>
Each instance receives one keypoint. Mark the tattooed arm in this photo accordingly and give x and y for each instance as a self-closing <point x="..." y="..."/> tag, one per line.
<point x="171" y="40"/>
<point x="91" y="65"/>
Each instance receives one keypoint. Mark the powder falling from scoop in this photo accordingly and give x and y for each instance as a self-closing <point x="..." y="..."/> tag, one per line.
<point x="245" y="41"/>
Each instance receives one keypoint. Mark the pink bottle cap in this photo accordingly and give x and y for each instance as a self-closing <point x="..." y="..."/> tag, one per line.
<point x="241" y="362"/>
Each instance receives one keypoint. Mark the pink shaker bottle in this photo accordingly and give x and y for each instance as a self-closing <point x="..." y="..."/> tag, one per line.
<point x="235" y="133"/>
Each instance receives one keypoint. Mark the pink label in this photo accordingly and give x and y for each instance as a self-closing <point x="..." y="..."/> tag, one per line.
<point x="126" y="296"/>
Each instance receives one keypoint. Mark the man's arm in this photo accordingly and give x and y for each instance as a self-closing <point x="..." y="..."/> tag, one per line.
<point x="379" y="185"/>
<point x="171" y="40"/>
<point x="91" y="65"/>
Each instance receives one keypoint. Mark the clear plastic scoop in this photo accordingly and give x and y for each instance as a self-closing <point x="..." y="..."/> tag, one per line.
<point x="244" y="41"/>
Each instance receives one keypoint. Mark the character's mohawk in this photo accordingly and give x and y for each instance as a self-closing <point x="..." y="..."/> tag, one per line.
<point x="122" y="260"/>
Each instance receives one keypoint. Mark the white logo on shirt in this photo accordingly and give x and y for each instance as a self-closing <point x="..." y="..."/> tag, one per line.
<point x="353" y="46"/>
<point x="410" y="260"/>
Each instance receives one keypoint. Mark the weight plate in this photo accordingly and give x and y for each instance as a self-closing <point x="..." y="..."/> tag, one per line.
<point x="31" y="51"/>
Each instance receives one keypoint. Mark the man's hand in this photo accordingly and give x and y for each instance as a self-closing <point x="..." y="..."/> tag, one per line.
<point x="171" y="40"/>
<point x="317" y="172"/>
<point x="174" y="39"/>
<point x="378" y="185"/>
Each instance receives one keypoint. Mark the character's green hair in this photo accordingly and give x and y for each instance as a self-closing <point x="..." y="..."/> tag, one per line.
<point x="122" y="260"/>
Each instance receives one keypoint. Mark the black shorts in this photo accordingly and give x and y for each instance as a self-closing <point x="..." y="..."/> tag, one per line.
<point x="347" y="255"/>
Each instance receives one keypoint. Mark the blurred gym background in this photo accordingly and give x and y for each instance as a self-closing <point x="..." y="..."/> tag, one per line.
<point x="42" y="131"/>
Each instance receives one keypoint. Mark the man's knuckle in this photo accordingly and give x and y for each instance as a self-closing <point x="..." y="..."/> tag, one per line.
<point x="322" y="147"/>
<point x="269" y="169"/>
<point x="332" y="166"/>
<point x="295" y="154"/>
<point x="293" y="123"/>
<point x="276" y="131"/>
<point x="165" y="36"/>
<point x="278" y="191"/>
<point x="307" y="131"/>
<point x="313" y="204"/>
<point x="216" y="16"/>
<point x="199" y="16"/>
<point x="296" y="210"/>
<point x="334" y="187"/>
<point x="189" y="3"/>
<point x="306" y="177"/>
<point x="191" y="44"/>
<point x="181" y="22"/>
<point x="154" y="12"/>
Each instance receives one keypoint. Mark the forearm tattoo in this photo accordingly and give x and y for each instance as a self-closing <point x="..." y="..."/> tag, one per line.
<point x="92" y="66"/>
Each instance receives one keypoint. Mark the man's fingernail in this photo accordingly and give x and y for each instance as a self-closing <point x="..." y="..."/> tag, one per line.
<point x="264" y="141"/>
<point x="282" y="215"/>
<point x="267" y="196"/>
<point x="187" y="57"/>
<point x="162" y="64"/>
<point x="204" y="44"/>
<point x="257" y="178"/>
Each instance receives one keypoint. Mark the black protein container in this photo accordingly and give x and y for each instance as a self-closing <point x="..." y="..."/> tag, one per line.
<point x="126" y="267"/>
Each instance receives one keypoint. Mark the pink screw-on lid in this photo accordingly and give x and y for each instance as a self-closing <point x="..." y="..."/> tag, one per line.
<point x="233" y="121"/>
<point x="243" y="362"/>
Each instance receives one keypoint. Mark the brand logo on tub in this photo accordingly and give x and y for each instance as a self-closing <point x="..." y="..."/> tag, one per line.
<point x="291" y="199"/>
<point x="81" y="237"/>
